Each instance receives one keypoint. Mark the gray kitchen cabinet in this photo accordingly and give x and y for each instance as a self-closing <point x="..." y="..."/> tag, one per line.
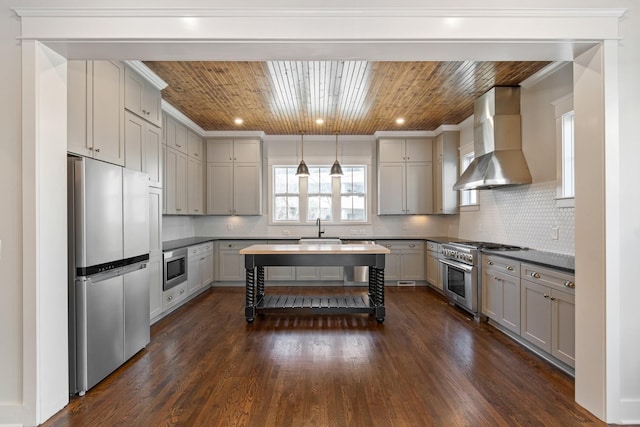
<point x="195" y="146"/>
<point x="548" y="311"/>
<point x="156" y="262"/>
<point x="281" y="274"/>
<point x="230" y="262"/>
<point x="141" y="97"/>
<point x="176" y="135"/>
<point x="95" y="104"/>
<point x="195" y="187"/>
<point x="433" y="267"/>
<point x="501" y="291"/>
<point x="200" y="267"/>
<point x="175" y="167"/>
<point x="405" y="176"/>
<point x="329" y="273"/>
<point x="446" y="172"/>
<point x="143" y="148"/>
<point x="406" y="260"/>
<point x="234" y="177"/>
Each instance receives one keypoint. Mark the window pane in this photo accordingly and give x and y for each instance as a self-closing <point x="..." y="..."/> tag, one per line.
<point x="353" y="180"/>
<point x="292" y="181"/>
<point x="467" y="197"/>
<point x="352" y="208"/>
<point x="280" y="180"/>
<point x="567" y="155"/>
<point x="286" y="208"/>
<point x="319" y="207"/>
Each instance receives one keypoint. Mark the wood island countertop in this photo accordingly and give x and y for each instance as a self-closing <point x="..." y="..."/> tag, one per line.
<point x="314" y="249"/>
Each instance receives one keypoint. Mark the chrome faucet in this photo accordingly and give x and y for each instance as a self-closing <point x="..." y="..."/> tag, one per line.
<point x="320" y="233"/>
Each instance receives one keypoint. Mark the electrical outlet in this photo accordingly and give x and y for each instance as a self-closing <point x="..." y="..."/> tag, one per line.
<point x="554" y="233"/>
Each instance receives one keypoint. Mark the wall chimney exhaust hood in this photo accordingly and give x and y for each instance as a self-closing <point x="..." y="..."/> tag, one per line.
<point x="499" y="160"/>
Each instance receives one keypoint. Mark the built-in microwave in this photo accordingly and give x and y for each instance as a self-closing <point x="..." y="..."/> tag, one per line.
<point x="175" y="268"/>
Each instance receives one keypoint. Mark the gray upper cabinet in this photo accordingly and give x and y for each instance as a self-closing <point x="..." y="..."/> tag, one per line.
<point x="95" y="102"/>
<point x="405" y="176"/>
<point x="445" y="172"/>
<point x="142" y="98"/>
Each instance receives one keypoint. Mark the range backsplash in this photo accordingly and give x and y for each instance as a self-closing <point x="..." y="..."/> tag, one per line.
<point x="523" y="215"/>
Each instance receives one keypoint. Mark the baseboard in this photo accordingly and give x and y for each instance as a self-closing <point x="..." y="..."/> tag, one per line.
<point x="10" y="415"/>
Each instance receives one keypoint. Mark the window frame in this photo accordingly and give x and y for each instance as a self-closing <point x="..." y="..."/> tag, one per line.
<point x="563" y="109"/>
<point x="466" y="151"/>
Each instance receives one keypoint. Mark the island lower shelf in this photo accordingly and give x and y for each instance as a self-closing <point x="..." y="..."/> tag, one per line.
<point x="259" y="256"/>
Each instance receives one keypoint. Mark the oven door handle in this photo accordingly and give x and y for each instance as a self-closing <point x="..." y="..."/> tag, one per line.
<point x="465" y="267"/>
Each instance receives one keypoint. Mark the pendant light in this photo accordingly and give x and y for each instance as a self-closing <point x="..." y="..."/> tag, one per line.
<point x="303" y="170"/>
<point x="336" y="169"/>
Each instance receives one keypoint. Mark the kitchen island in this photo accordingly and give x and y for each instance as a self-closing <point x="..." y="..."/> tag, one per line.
<point x="259" y="256"/>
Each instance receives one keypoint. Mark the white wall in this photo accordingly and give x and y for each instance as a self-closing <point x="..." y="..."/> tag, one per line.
<point x="10" y="221"/>
<point x="525" y="215"/>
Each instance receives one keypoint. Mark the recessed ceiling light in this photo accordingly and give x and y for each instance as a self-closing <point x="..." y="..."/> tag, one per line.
<point x="238" y="121"/>
<point x="399" y="121"/>
<point x="319" y="121"/>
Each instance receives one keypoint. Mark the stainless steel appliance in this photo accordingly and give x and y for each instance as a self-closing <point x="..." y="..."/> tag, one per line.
<point x="108" y="280"/>
<point x="461" y="273"/>
<point x="175" y="268"/>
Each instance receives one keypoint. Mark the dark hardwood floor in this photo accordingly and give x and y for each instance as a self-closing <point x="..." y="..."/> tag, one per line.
<point x="428" y="364"/>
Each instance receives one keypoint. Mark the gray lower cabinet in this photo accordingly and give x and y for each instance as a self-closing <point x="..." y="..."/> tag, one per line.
<point x="433" y="271"/>
<point x="548" y="312"/>
<point x="406" y="260"/>
<point x="230" y="262"/>
<point x="536" y="303"/>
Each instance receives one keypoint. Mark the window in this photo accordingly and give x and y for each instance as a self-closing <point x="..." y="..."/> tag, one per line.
<point x="467" y="197"/>
<point x="319" y="196"/>
<point x="565" y="155"/>
<point x="568" y="186"/>
<point x="353" y="194"/>
<point x="336" y="200"/>
<point x="286" y="197"/>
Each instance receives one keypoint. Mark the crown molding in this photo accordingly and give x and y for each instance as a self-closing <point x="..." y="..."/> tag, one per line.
<point x="179" y="116"/>
<point x="144" y="71"/>
<point x="543" y="73"/>
<point x="395" y="11"/>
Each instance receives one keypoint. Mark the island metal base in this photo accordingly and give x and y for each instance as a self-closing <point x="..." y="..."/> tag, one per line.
<point x="257" y="302"/>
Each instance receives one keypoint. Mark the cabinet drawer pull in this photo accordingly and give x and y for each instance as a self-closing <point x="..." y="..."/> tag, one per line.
<point x="182" y="291"/>
<point x="97" y="150"/>
<point x="535" y="275"/>
<point x="230" y="245"/>
<point x="170" y="297"/>
<point x="510" y="267"/>
<point x="412" y="245"/>
<point x="490" y="262"/>
<point x="552" y="299"/>
<point x="545" y="295"/>
<point x="569" y="284"/>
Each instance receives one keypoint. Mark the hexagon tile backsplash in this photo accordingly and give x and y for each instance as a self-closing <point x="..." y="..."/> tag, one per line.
<point x="525" y="215"/>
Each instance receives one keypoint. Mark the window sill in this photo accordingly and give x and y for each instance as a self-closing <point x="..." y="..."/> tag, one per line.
<point x="469" y="208"/>
<point x="565" y="202"/>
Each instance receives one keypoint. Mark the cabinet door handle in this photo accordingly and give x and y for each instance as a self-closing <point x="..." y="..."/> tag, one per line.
<point x="490" y="262"/>
<point x="545" y="295"/>
<point x="196" y="210"/>
<point x="509" y="267"/>
<point x="170" y="297"/>
<point x="535" y="275"/>
<point x="552" y="299"/>
<point x="230" y="245"/>
<point x="569" y="284"/>
<point x="97" y="150"/>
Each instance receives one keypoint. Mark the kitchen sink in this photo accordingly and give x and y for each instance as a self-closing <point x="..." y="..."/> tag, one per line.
<point x="320" y="241"/>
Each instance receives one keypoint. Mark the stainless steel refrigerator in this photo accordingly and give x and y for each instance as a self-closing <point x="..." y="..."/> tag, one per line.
<point x="108" y="279"/>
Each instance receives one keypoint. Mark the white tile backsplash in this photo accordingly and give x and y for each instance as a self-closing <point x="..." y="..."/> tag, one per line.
<point x="524" y="215"/>
<point x="177" y="227"/>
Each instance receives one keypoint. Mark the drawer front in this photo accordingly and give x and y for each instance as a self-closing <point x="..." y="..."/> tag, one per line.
<point x="236" y="244"/>
<point x="194" y="251"/>
<point x="174" y="295"/>
<point x="433" y="246"/>
<point x="549" y="277"/>
<point x="503" y="265"/>
<point x="400" y="245"/>
<point x="206" y="247"/>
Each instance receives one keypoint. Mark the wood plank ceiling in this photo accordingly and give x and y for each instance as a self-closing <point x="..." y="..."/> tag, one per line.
<point x="352" y="97"/>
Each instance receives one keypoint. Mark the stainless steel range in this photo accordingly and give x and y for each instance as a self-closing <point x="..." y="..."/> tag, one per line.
<point x="461" y="272"/>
